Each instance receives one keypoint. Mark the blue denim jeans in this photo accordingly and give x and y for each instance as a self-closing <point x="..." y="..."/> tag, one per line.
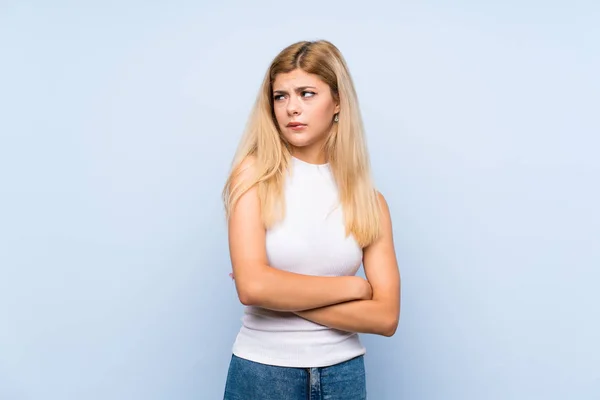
<point x="249" y="380"/>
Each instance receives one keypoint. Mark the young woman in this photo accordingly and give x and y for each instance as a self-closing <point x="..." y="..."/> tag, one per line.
<point x="303" y="215"/>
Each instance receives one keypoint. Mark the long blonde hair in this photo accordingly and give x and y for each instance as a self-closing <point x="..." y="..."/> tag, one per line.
<point x="345" y="147"/>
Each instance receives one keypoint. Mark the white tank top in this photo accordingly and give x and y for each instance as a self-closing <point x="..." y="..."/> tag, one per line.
<point x="310" y="240"/>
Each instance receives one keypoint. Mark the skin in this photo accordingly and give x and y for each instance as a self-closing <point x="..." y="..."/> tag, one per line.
<point x="302" y="97"/>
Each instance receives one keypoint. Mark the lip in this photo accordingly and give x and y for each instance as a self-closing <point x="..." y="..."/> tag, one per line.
<point x="296" y="126"/>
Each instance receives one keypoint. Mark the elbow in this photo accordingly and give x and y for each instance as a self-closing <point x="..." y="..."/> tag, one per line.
<point x="389" y="326"/>
<point x="245" y="298"/>
<point x="249" y="294"/>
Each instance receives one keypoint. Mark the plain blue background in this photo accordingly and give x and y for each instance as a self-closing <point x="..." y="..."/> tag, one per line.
<point x="119" y="121"/>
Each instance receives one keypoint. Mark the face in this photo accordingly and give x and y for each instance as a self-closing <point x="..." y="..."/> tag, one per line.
<point x="304" y="109"/>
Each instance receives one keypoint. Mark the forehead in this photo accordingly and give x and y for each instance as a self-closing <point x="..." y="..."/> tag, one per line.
<point x="297" y="78"/>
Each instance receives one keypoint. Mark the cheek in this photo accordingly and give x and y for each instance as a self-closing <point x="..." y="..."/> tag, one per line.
<point x="322" y="114"/>
<point x="325" y="113"/>
<point x="280" y="115"/>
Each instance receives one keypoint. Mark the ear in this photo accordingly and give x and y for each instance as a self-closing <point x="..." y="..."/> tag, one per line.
<point x="337" y="108"/>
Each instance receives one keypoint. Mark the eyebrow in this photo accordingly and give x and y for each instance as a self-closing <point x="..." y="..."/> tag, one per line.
<point x="298" y="89"/>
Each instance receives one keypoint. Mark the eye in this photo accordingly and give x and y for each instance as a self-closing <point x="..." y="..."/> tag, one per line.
<point x="278" y="97"/>
<point x="308" y="93"/>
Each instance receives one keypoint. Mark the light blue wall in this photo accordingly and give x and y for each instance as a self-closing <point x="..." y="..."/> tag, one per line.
<point x="118" y="123"/>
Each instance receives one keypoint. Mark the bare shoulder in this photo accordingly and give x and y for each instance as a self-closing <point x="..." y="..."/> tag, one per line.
<point x="384" y="210"/>
<point x="385" y="239"/>
<point x="382" y="200"/>
<point x="245" y="171"/>
<point x="243" y="179"/>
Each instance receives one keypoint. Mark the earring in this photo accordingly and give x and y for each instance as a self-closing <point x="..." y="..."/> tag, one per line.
<point x="336" y="118"/>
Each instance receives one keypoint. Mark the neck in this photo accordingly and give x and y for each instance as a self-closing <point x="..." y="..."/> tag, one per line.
<point x="311" y="156"/>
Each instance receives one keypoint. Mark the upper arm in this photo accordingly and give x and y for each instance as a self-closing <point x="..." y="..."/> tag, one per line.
<point x="380" y="264"/>
<point x="246" y="234"/>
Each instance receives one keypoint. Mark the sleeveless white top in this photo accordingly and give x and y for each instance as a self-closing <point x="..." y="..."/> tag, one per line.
<point x="310" y="240"/>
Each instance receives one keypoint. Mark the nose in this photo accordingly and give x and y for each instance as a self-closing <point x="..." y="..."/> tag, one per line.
<point x="293" y="106"/>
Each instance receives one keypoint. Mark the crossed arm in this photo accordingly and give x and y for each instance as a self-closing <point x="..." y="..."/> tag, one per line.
<point x="347" y="303"/>
<point x="379" y="315"/>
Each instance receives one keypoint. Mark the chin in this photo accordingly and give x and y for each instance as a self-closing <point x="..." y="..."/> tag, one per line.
<point x="299" y="141"/>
